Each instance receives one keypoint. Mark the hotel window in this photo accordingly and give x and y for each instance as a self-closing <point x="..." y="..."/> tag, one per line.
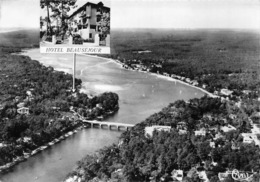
<point x="90" y="35"/>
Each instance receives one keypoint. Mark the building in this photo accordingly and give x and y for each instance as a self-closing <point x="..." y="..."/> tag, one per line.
<point x="86" y="20"/>
<point x="226" y="92"/>
<point x="150" y="129"/>
<point x="223" y="176"/>
<point x="218" y="135"/>
<point x="2" y="106"/>
<point x="21" y="104"/>
<point x="227" y="128"/>
<point x="212" y="144"/>
<point x="203" y="176"/>
<point x="250" y="138"/>
<point x="201" y="132"/>
<point x="177" y="174"/>
<point x="23" y="110"/>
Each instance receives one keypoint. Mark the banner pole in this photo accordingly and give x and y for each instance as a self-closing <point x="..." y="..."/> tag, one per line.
<point x="74" y="72"/>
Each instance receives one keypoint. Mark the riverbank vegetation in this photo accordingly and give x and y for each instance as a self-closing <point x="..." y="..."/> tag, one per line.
<point x="207" y="136"/>
<point x="139" y="157"/>
<point x="217" y="58"/>
<point x="37" y="104"/>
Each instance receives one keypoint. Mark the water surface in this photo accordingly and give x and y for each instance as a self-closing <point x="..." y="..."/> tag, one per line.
<point x="140" y="95"/>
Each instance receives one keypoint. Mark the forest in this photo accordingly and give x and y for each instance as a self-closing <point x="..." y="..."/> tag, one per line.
<point x="48" y="97"/>
<point x="218" y="58"/>
<point x="141" y="158"/>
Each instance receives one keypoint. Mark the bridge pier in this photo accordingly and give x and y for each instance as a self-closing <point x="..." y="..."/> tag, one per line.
<point x="110" y="125"/>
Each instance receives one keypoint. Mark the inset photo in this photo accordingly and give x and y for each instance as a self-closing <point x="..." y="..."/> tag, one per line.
<point x="74" y="23"/>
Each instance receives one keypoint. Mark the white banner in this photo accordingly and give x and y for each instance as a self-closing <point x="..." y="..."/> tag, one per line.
<point x="80" y="49"/>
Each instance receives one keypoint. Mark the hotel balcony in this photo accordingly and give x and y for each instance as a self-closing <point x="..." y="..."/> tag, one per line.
<point x="98" y="13"/>
<point x="83" y="14"/>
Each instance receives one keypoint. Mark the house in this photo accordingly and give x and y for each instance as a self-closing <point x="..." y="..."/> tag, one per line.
<point x="232" y="116"/>
<point x="99" y="105"/>
<point x="17" y="98"/>
<point x="2" y="106"/>
<point x="195" y="83"/>
<point x="212" y="144"/>
<point x="165" y="74"/>
<point x="246" y="92"/>
<point x="235" y="146"/>
<point x="227" y="128"/>
<point x="188" y="80"/>
<point x="23" y="110"/>
<point x="218" y="135"/>
<point x="86" y="20"/>
<point x="255" y="129"/>
<point x="182" y="132"/>
<point x="203" y="176"/>
<point x="204" y="86"/>
<point x="55" y="108"/>
<point x="181" y="125"/>
<point x="177" y="174"/>
<point x="29" y="92"/>
<point x="24" y="139"/>
<point x="250" y="138"/>
<point x="223" y="176"/>
<point x="207" y="115"/>
<point x="201" y="132"/>
<point x="150" y="129"/>
<point x="226" y="92"/>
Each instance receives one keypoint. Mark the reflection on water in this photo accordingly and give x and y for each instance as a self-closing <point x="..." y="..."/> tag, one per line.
<point x="140" y="95"/>
<point x="54" y="163"/>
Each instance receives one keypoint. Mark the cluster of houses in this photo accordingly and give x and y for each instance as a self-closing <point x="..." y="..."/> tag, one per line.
<point x="223" y="93"/>
<point x="21" y="105"/>
<point x="215" y="132"/>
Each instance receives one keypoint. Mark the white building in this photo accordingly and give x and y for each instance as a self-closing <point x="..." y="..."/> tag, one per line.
<point x="177" y="174"/>
<point x="86" y="20"/>
<point x="203" y="176"/>
<point x="250" y="138"/>
<point x="212" y="144"/>
<point x="201" y="132"/>
<point x="226" y="92"/>
<point x="23" y="110"/>
<point x="223" y="176"/>
<point x="227" y="128"/>
<point x="150" y="129"/>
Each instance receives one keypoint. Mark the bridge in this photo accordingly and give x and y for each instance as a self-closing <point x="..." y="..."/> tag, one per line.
<point x="108" y="125"/>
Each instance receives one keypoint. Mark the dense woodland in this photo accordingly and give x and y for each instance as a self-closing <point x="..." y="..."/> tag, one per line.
<point x="141" y="158"/>
<point x="217" y="58"/>
<point x="48" y="95"/>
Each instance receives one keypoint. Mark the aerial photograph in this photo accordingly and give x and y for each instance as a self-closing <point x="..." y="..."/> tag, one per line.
<point x="176" y="100"/>
<point x="67" y="23"/>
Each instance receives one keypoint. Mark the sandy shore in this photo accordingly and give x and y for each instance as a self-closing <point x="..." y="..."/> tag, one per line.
<point x="157" y="75"/>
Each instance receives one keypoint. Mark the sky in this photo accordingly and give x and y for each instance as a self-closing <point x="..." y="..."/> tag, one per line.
<point x="234" y="14"/>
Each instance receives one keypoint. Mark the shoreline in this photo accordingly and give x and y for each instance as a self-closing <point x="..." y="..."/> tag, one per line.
<point x="121" y="65"/>
<point x="155" y="74"/>
<point x="39" y="149"/>
<point x="18" y="159"/>
<point x="69" y="133"/>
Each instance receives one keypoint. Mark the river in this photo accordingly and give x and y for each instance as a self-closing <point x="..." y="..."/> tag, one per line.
<point x="140" y="95"/>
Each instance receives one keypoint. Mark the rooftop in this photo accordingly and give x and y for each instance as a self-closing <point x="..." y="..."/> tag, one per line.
<point x="100" y="4"/>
